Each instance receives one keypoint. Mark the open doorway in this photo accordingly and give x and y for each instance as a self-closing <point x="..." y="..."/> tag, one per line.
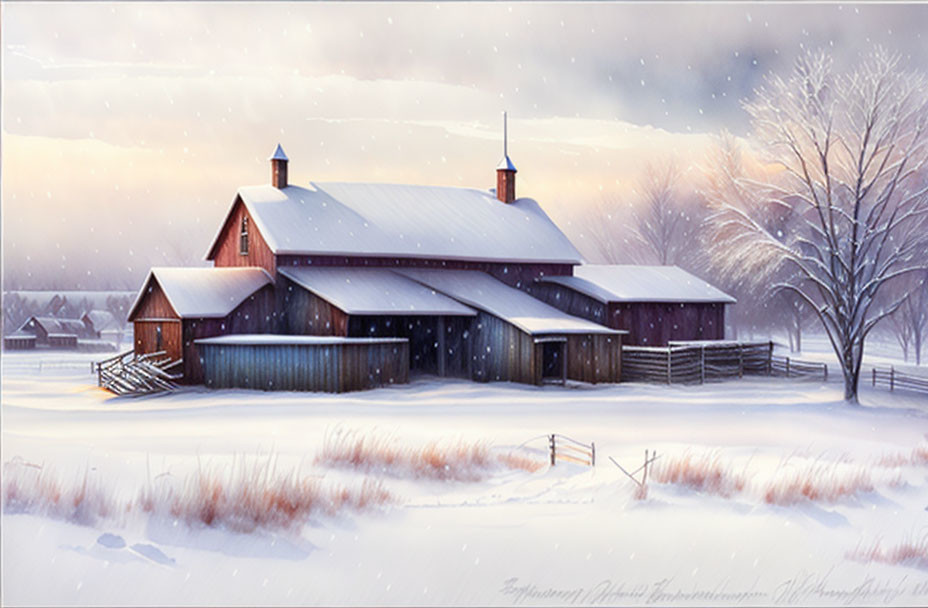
<point x="554" y="362"/>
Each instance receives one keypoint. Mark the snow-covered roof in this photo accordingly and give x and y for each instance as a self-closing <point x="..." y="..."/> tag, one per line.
<point x="277" y="339"/>
<point x="608" y="283"/>
<point x="506" y="164"/>
<point x="393" y="220"/>
<point x="373" y="291"/>
<point x="278" y="154"/>
<point x="204" y="292"/>
<point x="55" y="326"/>
<point x="101" y="320"/>
<point x="481" y="291"/>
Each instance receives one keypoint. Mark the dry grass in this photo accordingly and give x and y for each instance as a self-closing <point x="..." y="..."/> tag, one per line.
<point x="253" y="496"/>
<point x="449" y="461"/>
<point x="817" y="483"/>
<point x="241" y="499"/>
<point x="32" y="488"/>
<point x="910" y="552"/>
<point x="917" y="457"/>
<point x="704" y="474"/>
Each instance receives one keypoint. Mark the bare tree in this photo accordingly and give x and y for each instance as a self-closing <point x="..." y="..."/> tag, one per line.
<point x="659" y="218"/>
<point x="910" y="321"/>
<point x="840" y="153"/>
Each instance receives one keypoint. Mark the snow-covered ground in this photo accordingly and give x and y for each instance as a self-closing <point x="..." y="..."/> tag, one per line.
<point x="561" y="535"/>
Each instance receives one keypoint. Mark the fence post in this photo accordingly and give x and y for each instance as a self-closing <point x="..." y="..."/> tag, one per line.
<point x="551" y="447"/>
<point x="740" y="360"/>
<point x="873" y="382"/>
<point x="702" y="364"/>
<point x="892" y="377"/>
<point x="787" y="367"/>
<point x="825" y="369"/>
<point x="592" y="453"/>
<point x="669" y="365"/>
<point x="770" y="359"/>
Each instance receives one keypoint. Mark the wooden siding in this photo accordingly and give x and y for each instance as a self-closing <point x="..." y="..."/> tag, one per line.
<point x="303" y="313"/>
<point x="656" y="324"/>
<point x="227" y="250"/>
<point x="513" y="274"/>
<point x="255" y="315"/>
<point x="502" y="352"/>
<point x="154" y="304"/>
<point x="146" y="337"/>
<point x="437" y="344"/>
<point x="647" y="323"/>
<point x="594" y="358"/>
<point x="333" y="368"/>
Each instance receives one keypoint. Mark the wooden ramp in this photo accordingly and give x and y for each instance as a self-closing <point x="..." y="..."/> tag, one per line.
<point x="129" y="374"/>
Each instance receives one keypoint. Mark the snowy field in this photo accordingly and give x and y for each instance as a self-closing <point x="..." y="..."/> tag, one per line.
<point x="789" y="497"/>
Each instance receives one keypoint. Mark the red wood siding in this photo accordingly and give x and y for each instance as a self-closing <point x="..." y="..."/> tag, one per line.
<point x="227" y="252"/>
<point x="304" y="313"/>
<point x="515" y="274"/>
<point x="655" y="324"/>
<point x="146" y="337"/>
<point x="154" y="304"/>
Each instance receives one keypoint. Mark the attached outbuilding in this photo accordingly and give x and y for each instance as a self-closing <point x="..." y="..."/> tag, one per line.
<point x="518" y="338"/>
<point x="19" y="340"/>
<point x="329" y="364"/>
<point x="176" y="306"/>
<point x="654" y="304"/>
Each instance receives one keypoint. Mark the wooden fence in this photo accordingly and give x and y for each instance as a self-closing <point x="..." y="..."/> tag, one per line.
<point x="898" y="380"/>
<point x="570" y="450"/>
<point x="128" y="374"/>
<point x="700" y="362"/>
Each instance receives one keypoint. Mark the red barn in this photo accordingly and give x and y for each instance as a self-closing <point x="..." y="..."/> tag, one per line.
<point x="442" y="274"/>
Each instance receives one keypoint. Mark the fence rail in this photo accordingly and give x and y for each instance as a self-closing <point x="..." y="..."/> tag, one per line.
<point x="898" y="380"/>
<point x="700" y="362"/>
<point x="562" y="447"/>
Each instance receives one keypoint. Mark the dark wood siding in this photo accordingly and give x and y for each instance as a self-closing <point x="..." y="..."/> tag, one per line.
<point x="255" y="315"/>
<point x="227" y="251"/>
<point x="502" y="352"/>
<point x="514" y="274"/>
<point x="334" y="368"/>
<point x="303" y="313"/>
<point x="647" y="323"/>
<point x="154" y="304"/>
<point x="437" y="344"/>
<point x="655" y="324"/>
<point x="594" y="358"/>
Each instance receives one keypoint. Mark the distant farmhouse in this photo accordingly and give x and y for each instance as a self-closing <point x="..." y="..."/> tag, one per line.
<point x="345" y="286"/>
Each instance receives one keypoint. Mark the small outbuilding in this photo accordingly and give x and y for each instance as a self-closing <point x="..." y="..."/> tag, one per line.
<point x="53" y="332"/>
<point x="654" y="304"/>
<point x="19" y="340"/>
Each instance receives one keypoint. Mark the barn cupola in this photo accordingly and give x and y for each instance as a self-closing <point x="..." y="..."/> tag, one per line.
<point x="505" y="171"/>
<point x="279" y="162"/>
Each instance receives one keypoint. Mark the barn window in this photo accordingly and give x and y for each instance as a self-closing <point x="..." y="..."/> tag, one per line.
<point x="243" y="238"/>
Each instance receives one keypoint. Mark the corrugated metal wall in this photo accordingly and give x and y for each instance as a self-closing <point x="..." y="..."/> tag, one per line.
<point x="332" y="368"/>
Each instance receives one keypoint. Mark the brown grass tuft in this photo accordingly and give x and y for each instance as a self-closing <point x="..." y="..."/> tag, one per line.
<point x="909" y="552"/>
<point x="704" y="474"/>
<point x="818" y="483"/>
<point x="31" y="488"/>
<point x="450" y="461"/>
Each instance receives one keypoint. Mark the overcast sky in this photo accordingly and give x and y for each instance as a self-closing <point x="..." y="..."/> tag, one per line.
<point x="128" y="127"/>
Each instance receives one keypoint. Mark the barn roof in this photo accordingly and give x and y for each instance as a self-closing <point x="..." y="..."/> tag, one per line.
<point x="481" y="291"/>
<point x="53" y="325"/>
<point x="203" y="292"/>
<point x="374" y="291"/>
<point x="101" y="320"/>
<point x="608" y="283"/>
<point x="393" y="220"/>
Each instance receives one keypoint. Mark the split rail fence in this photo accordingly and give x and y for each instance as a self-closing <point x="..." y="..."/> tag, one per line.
<point x="700" y="362"/>
<point x="128" y="374"/>
<point x="898" y="380"/>
<point x="562" y="447"/>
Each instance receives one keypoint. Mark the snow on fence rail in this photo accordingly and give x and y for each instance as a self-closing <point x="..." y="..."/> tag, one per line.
<point x="571" y="450"/>
<point x="895" y="379"/>
<point x="699" y="362"/>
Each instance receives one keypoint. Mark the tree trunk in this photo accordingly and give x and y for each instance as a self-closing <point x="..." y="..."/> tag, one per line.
<point x="850" y="368"/>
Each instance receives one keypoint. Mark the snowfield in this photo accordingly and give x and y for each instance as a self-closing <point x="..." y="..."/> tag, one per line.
<point x="766" y="492"/>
